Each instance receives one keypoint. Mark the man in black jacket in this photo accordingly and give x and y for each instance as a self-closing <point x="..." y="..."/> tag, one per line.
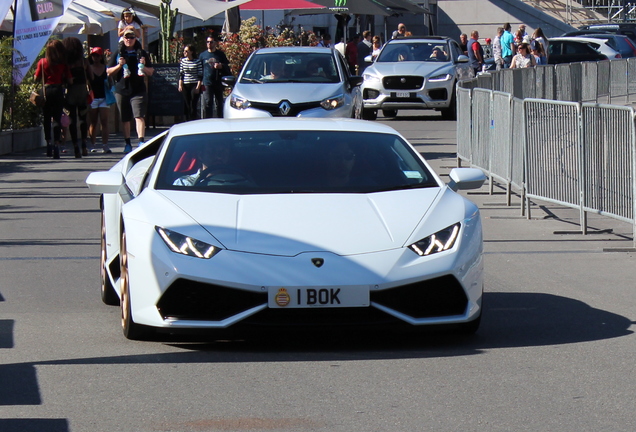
<point x="215" y="67"/>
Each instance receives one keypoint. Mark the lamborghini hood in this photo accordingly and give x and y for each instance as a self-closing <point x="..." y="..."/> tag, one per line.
<point x="289" y="224"/>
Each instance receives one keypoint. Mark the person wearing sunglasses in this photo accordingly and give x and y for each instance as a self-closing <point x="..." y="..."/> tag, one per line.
<point x="523" y="58"/>
<point x="215" y="66"/>
<point x="129" y="69"/>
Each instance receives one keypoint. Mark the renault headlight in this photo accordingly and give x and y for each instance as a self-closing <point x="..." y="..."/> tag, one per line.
<point x="438" y="242"/>
<point x="239" y="103"/>
<point x="333" y="102"/>
<point x="439" y="78"/>
<point x="181" y="244"/>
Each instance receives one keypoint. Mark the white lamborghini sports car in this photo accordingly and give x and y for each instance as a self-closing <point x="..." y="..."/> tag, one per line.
<point x="236" y="224"/>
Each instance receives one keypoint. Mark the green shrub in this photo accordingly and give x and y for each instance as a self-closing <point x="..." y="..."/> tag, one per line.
<point x="25" y="115"/>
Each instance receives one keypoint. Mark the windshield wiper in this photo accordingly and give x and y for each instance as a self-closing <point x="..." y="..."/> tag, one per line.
<point x="253" y="80"/>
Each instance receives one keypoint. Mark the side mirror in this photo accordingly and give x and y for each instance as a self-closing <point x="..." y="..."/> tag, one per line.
<point x="466" y="178"/>
<point x="462" y="59"/>
<point x="229" y="80"/>
<point x="368" y="59"/>
<point x="355" y="80"/>
<point x="107" y="182"/>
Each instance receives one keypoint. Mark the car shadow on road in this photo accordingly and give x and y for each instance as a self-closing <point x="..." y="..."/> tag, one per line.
<point x="510" y="320"/>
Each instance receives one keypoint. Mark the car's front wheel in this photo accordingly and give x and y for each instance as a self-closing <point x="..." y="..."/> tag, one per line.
<point x="131" y="329"/>
<point x="450" y="113"/>
<point x="369" y="114"/>
<point x="109" y="295"/>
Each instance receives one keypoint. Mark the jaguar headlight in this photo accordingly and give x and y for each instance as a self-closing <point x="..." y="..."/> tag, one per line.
<point x="333" y="102"/>
<point x="438" y="242"/>
<point x="371" y="79"/>
<point x="184" y="245"/>
<point x="439" y="78"/>
<point x="239" y="103"/>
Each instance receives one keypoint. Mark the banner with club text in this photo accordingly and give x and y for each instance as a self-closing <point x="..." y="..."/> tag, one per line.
<point x="35" y="21"/>
<point x="4" y="8"/>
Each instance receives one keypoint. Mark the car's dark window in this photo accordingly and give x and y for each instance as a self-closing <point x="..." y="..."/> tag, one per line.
<point x="292" y="162"/>
<point x="415" y="51"/>
<point x="555" y="48"/>
<point x="291" y="67"/>
<point x="578" y="48"/>
<point x="455" y="51"/>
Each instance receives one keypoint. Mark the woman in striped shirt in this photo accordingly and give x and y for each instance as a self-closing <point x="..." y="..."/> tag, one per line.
<point x="190" y="80"/>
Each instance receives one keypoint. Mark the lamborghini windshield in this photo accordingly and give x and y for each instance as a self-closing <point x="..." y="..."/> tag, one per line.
<point x="312" y="161"/>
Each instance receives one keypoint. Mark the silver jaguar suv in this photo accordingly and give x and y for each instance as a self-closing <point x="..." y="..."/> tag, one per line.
<point x="414" y="73"/>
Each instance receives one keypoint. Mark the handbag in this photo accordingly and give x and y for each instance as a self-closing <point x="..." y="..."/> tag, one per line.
<point x="90" y="97"/>
<point x="109" y="91"/>
<point x="65" y="120"/>
<point x="37" y="97"/>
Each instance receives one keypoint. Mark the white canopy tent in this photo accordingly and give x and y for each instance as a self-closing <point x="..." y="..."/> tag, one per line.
<point x="76" y="20"/>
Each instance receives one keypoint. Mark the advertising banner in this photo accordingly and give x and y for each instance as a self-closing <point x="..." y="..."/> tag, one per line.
<point x="34" y="24"/>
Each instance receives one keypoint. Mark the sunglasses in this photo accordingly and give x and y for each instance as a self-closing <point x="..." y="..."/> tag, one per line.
<point x="129" y="36"/>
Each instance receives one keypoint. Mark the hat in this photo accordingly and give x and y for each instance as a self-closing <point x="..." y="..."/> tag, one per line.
<point x="97" y="50"/>
<point x="129" y="30"/>
<point x="488" y="40"/>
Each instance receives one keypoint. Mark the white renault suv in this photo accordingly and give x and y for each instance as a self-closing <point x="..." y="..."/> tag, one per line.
<point x="294" y="82"/>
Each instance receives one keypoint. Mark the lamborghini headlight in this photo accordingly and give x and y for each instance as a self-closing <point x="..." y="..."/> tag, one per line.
<point x="438" y="242"/>
<point x="181" y="244"/>
<point x="439" y="78"/>
<point x="333" y="102"/>
<point x="239" y="103"/>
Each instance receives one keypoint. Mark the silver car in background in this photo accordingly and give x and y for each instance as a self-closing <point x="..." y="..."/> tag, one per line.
<point x="414" y="73"/>
<point x="294" y="82"/>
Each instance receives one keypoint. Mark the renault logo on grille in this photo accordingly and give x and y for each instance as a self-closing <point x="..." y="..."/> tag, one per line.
<point x="284" y="107"/>
<point x="318" y="262"/>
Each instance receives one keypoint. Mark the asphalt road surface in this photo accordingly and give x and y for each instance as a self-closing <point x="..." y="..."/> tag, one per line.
<point x="555" y="352"/>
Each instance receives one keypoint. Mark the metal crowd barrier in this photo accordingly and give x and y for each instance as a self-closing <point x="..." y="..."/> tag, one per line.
<point x="580" y="155"/>
<point x="609" y="82"/>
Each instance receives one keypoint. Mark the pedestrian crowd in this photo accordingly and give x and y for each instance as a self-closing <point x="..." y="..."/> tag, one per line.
<point x="79" y="90"/>
<point x="506" y="50"/>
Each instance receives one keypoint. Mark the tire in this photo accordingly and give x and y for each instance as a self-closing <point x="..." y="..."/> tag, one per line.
<point x="131" y="329"/>
<point x="369" y="114"/>
<point x="450" y="113"/>
<point x="108" y="293"/>
<point x="389" y="112"/>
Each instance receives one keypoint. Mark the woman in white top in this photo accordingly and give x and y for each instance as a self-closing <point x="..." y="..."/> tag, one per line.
<point x="376" y="46"/>
<point x="190" y="80"/>
<point x="538" y="36"/>
<point x="129" y="18"/>
<point x="523" y="58"/>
